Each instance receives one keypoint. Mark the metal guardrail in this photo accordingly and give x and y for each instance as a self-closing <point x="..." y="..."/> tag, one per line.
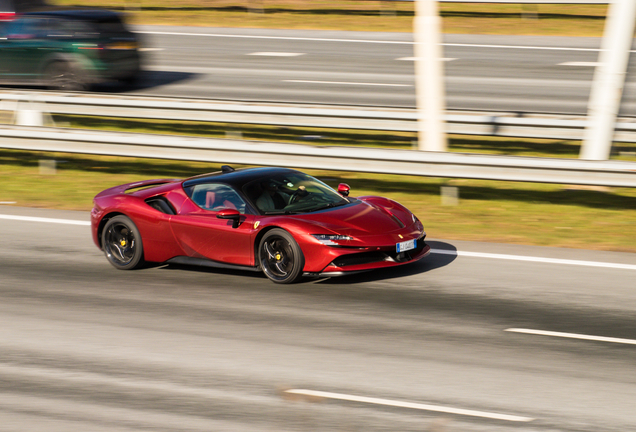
<point x="384" y="161"/>
<point x="303" y="115"/>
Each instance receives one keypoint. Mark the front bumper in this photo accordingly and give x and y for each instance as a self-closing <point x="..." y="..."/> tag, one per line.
<point x="376" y="259"/>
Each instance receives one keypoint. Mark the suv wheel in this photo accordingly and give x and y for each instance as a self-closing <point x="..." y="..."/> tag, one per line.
<point x="64" y="76"/>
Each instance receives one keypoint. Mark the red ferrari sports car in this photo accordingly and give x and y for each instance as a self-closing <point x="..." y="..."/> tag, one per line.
<point x="276" y="220"/>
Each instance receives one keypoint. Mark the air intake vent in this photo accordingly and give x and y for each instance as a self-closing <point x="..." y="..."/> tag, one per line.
<point x="162" y="204"/>
<point x="399" y="222"/>
<point x="359" y="258"/>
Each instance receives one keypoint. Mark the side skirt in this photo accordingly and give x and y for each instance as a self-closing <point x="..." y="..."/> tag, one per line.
<point x="334" y="274"/>
<point x="184" y="260"/>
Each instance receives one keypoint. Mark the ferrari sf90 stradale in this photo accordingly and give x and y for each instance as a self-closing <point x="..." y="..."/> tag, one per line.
<point x="280" y="221"/>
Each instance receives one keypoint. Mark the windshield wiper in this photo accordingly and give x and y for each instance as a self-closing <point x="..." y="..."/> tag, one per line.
<point x="309" y="210"/>
<point x="328" y="206"/>
<point x="281" y="212"/>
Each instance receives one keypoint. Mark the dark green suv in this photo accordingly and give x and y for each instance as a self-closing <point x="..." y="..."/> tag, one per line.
<point x="67" y="50"/>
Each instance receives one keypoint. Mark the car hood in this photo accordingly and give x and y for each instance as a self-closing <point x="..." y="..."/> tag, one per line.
<point x="354" y="219"/>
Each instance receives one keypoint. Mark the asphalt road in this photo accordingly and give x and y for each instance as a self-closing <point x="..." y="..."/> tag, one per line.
<point x="506" y="73"/>
<point x="86" y="347"/>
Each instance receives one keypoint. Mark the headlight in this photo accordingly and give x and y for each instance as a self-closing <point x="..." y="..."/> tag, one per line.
<point x="330" y="239"/>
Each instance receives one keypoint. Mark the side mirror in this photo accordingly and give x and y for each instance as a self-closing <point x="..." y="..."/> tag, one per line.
<point x="343" y="189"/>
<point x="233" y="214"/>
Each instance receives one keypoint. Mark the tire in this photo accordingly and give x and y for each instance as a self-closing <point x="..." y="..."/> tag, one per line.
<point x="280" y="257"/>
<point x="130" y="80"/>
<point x="64" y="76"/>
<point x="122" y="243"/>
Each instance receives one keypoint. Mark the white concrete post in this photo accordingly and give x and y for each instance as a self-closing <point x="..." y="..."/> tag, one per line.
<point x="429" y="76"/>
<point x="609" y="79"/>
<point x="29" y="117"/>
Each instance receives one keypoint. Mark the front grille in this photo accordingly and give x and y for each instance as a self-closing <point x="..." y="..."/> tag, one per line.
<point x="359" y="258"/>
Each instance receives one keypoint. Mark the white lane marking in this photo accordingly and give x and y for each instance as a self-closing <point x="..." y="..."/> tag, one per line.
<point x="151" y="49"/>
<point x="446" y="59"/>
<point x="536" y="259"/>
<point x="348" y="83"/>
<point x="8" y="202"/>
<point x="573" y="336"/>
<point x="45" y="220"/>
<point x="582" y="64"/>
<point x="412" y="405"/>
<point x="276" y="54"/>
<point x="367" y="41"/>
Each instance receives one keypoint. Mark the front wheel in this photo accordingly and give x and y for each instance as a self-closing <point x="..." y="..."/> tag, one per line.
<point x="280" y="257"/>
<point x="122" y="244"/>
<point x="64" y="76"/>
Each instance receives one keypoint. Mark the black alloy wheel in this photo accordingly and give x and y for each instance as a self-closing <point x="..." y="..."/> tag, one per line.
<point x="64" y="76"/>
<point x="122" y="244"/>
<point x="280" y="257"/>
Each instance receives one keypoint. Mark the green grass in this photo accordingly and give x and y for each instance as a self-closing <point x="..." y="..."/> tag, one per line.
<point x="548" y="215"/>
<point x="363" y="15"/>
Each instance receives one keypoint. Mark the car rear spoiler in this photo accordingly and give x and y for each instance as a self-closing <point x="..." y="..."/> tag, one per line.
<point x="136" y="185"/>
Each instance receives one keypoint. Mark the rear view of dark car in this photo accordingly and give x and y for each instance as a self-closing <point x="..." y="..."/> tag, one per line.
<point x="67" y="50"/>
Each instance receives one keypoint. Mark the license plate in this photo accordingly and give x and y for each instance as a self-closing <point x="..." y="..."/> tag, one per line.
<point x="405" y="246"/>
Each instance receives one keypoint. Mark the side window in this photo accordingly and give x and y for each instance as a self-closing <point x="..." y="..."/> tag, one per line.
<point x="30" y="28"/>
<point x="12" y="29"/>
<point x="4" y="29"/>
<point x="61" y="29"/>
<point x="213" y="196"/>
<point x="41" y="28"/>
<point x="73" y="29"/>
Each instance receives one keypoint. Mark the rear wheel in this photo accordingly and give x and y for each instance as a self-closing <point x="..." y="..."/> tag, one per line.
<point x="122" y="244"/>
<point x="130" y="80"/>
<point x="64" y="76"/>
<point x="280" y="257"/>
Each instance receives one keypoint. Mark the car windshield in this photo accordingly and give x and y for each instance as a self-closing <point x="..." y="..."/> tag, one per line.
<point x="292" y="193"/>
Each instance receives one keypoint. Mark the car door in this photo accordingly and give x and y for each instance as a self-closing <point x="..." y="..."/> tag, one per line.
<point x="202" y="235"/>
<point x="9" y="49"/>
<point x="22" y="46"/>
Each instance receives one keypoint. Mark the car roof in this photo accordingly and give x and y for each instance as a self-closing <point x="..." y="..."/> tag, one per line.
<point x="77" y="14"/>
<point x="21" y="6"/>
<point x="237" y="178"/>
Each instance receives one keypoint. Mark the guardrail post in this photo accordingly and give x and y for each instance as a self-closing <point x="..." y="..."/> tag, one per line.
<point x="609" y="79"/>
<point x="30" y="116"/>
<point x="429" y="76"/>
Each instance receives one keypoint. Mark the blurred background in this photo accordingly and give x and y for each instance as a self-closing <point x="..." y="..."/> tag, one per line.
<point x="424" y="348"/>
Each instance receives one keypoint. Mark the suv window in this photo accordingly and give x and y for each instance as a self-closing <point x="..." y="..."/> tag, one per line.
<point x="73" y="29"/>
<point x="28" y="28"/>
